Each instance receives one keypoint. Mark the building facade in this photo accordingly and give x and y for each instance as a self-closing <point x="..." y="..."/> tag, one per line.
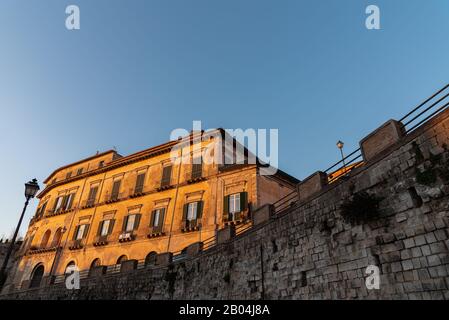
<point x="109" y="208"/>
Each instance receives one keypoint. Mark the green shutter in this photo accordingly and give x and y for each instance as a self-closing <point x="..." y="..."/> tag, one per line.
<point x="226" y="206"/>
<point x="153" y="214"/>
<point x="76" y="232"/>
<point x="125" y="220"/>
<point x="100" y="226"/>
<point x="86" y="229"/>
<point x="116" y="188"/>
<point x="243" y="201"/>
<point x="161" y="217"/>
<point x="184" y="213"/>
<point x="64" y="202"/>
<point x="139" y="182"/>
<point x="137" y="222"/>
<point x="111" y="226"/>
<point x="199" y="212"/>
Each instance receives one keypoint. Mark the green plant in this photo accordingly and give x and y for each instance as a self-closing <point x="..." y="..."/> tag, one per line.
<point x="360" y="207"/>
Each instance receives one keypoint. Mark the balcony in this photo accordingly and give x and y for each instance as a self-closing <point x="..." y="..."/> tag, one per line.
<point x="191" y="225"/>
<point x="127" y="236"/>
<point x="37" y="250"/>
<point x="235" y="218"/>
<point x="195" y="175"/>
<point x="137" y="192"/>
<point x="51" y="213"/>
<point x="156" y="232"/>
<point x="100" y="241"/>
<point x="114" y="197"/>
<point x="89" y="203"/>
<point x="76" y="244"/>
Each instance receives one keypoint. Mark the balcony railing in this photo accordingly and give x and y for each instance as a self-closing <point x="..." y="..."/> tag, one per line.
<point x="100" y="241"/>
<point x="89" y="203"/>
<point x="113" y="197"/>
<point x="191" y="225"/>
<point x="76" y="244"/>
<point x="156" y="231"/>
<point x="236" y="217"/>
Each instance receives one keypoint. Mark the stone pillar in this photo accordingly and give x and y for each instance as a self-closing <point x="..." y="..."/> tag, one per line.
<point x="225" y="234"/>
<point x="128" y="265"/>
<point x="164" y="259"/>
<point x="311" y="185"/>
<point x="380" y="139"/>
<point x="97" y="271"/>
<point x="194" y="249"/>
<point x="262" y="214"/>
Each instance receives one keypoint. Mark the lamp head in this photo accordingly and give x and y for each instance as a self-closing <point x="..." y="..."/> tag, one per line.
<point x="31" y="188"/>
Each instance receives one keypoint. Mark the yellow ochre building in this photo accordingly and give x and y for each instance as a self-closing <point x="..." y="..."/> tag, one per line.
<point x="108" y="208"/>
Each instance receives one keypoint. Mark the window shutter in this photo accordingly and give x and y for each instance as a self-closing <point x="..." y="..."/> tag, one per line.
<point x="139" y="182"/>
<point x="137" y="222"/>
<point x="199" y="212"/>
<point x="56" y="203"/>
<point x="243" y="201"/>
<point x="76" y="232"/>
<point x="93" y="193"/>
<point x="100" y="226"/>
<point x="125" y="220"/>
<point x="226" y="205"/>
<point x="111" y="226"/>
<point x="116" y="188"/>
<point x="184" y="212"/>
<point x="153" y="214"/>
<point x="161" y="217"/>
<point x="166" y="175"/>
<point x="70" y="201"/>
<point x="64" y="202"/>
<point x="86" y="229"/>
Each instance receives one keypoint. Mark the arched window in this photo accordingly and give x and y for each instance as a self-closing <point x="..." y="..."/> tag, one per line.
<point x="69" y="267"/>
<point x="45" y="239"/>
<point x="122" y="259"/>
<point x="57" y="238"/>
<point x="36" y="276"/>
<point x="150" y="259"/>
<point x="95" y="263"/>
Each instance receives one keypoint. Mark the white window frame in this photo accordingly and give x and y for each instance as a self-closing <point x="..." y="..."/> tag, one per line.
<point x="80" y="233"/>
<point x="157" y="216"/>
<point x="105" y="228"/>
<point x="192" y="211"/>
<point x="234" y="203"/>
<point x="131" y="219"/>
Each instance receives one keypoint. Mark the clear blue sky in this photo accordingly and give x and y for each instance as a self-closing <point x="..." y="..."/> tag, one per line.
<point x="138" y="69"/>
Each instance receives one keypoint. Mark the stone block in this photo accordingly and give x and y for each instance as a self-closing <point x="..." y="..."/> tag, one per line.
<point x="225" y="234"/>
<point x="194" y="249"/>
<point x="97" y="271"/>
<point x="312" y="185"/>
<point x="164" y="259"/>
<point x="380" y="139"/>
<point x="262" y="214"/>
<point x="128" y="265"/>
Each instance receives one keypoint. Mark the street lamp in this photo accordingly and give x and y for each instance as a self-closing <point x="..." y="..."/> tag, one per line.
<point x="31" y="189"/>
<point x="340" y="145"/>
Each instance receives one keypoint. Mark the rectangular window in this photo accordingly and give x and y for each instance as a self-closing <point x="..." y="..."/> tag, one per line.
<point x="130" y="223"/>
<point x="101" y="164"/>
<point x="197" y="168"/>
<point x="166" y="176"/>
<point x="68" y="201"/>
<point x="82" y="229"/>
<point x="115" y="189"/>
<point x="139" y="183"/>
<point x="92" y="195"/>
<point x="234" y="203"/>
<point x="68" y="175"/>
<point x="80" y="171"/>
<point x="192" y="210"/>
<point x="58" y="203"/>
<point x="105" y="228"/>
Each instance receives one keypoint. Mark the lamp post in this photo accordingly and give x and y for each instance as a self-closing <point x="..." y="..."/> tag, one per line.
<point x="340" y="145"/>
<point x="31" y="189"/>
